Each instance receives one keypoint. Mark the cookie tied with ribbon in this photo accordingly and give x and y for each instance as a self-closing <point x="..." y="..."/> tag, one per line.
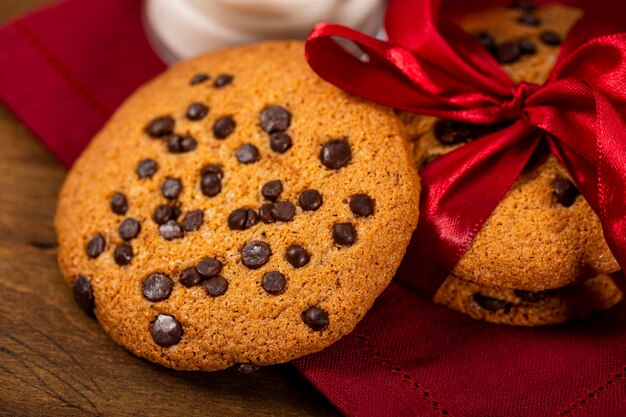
<point x="430" y="66"/>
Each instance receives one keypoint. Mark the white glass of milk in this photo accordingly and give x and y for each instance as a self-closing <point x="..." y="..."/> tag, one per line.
<point x="180" y="29"/>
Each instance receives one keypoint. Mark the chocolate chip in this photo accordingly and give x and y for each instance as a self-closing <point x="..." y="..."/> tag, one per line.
<point x="522" y="5"/>
<point x="527" y="47"/>
<point x="310" y="200"/>
<point x="508" y="52"/>
<point x="123" y="254"/>
<point x="280" y="142"/>
<point x="119" y="204"/>
<point x="550" y="38"/>
<point x="199" y="79"/>
<point x="247" y="368"/>
<point x="336" y="154"/>
<point x="247" y="153"/>
<point x="212" y="169"/>
<point x="211" y="184"/>
<point x="449" y="132"/>
<point x="171" y="188"/>
<point x="283" y="211"/>
<point x="486" y="40"/>
<point x="216" y="286"/>
<point x="271" y="190"/>
<point x="297" y="256"/>
<point x="189" y="277"/>
<point x="223" y="127"/>
<point x="265" y="213"/>
<point x="147" y="168"/>
<point x="160" y="126"/>
<point x="242" y="219"/>
<point x="209" y="267"/>
<point x="157" y="287"/>
<point x="315" y="318"/>
<point x="223" y="80"/>
<point x="129" y="229"/>
<point x="181" y="144"/>
<point x="197" y="111"/>
<point x="274" y="283"/>
<point x="255" y="254"/>
<point x="83" y="293"/>
<point x="361" y="205"/>
<point x="565" y="191"/>
<point x="344" y="234"/>
<point x="95" y="246"/>
<point x="533" y="296"/>
<point x="489" y="303"/>
<point x="193" y="220"/>
<point x="429" y="159"/>
<point x="529" y="19"/>
<point x="275" y="119"/>
<point x="163" y="213"/>
<point x="171" y="230"/>
<point x="166" y="330"/>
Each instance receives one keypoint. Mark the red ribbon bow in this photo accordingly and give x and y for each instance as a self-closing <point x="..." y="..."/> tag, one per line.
<point x="430" y="66"/>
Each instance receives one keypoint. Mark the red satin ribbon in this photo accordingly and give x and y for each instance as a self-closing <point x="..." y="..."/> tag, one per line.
<point x="430" y="66"/>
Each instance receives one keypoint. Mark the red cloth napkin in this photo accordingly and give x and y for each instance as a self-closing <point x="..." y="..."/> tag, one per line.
<point x="64" y="69"/>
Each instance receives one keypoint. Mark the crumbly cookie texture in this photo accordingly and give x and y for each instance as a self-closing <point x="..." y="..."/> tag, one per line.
<point x="543" y="234"/>
<point x="530" y="308"/>
<point x="237" y="209"/>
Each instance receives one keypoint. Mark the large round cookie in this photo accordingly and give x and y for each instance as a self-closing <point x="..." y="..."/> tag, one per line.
<point x="543" y="234"/>
<point x="151" y="237"/>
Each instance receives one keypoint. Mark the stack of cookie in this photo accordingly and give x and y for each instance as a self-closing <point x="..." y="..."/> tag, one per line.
<point x="237" y="210"/>
<point x="541" y="257"/>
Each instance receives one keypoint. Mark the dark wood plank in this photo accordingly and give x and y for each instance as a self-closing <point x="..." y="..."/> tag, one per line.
<point x="56" y="361"/>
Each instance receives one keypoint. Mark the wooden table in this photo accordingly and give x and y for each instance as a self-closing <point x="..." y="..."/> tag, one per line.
<point x="54" y="360"/>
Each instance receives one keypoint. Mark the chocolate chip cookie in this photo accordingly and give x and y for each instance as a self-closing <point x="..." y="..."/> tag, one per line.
<point x="530" y="308"/>
<point x="237" y="210"/>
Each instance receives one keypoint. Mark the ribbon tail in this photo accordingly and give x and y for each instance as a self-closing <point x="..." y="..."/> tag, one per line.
<point x="470" y="180"/>
<point x="611" y="175"/>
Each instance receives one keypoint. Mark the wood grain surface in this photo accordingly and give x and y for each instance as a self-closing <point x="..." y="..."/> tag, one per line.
<point x="54" y="359"/>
